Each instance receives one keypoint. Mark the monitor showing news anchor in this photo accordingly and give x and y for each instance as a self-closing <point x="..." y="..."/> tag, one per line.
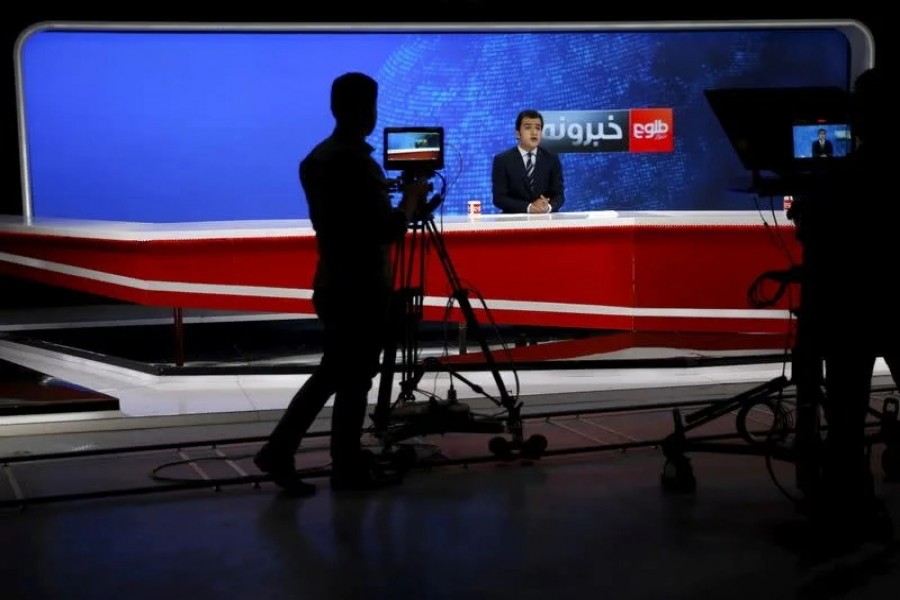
<point x="184" y="125"/>
<point x="821" y="140"/>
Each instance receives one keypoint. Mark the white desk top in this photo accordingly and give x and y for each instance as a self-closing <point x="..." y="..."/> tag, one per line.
<point x="134" y="231"/>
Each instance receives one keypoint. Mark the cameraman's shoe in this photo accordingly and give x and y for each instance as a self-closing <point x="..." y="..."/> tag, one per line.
<point x="363" y="473"/>
<point x="876" y="524"/>
<point x="280" y="467"/>
<point x="840" y="525"/>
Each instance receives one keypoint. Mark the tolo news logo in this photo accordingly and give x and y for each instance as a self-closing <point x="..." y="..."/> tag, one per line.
<point x="632" y="130"/>
<point x="652" y="130"/>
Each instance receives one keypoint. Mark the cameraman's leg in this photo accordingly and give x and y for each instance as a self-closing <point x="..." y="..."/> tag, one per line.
<point x="354" y="468"/>
<point x="361" y="336"/>
<point x="305" y="406"/>
<point x="276" y="457"/>
<point x="848" y="383"/>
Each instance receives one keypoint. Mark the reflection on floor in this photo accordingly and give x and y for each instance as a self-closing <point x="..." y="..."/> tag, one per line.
<point x="24" y="391"/>
<point x="588" y="519"/>
<point x="583" y="524"/>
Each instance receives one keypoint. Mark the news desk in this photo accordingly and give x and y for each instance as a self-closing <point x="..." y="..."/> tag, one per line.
<point x="637" y="271"/>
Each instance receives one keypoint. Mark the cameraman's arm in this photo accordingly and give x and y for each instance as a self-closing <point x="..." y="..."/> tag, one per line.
<point x="414" y="195"/>
<point x="359" y="205"/>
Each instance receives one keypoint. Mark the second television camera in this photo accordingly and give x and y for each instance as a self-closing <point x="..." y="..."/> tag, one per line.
<point x="773" y="129"/>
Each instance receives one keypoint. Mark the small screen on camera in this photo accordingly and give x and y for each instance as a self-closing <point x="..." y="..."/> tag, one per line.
<point x="413" y="148"/>
<point x="821" y="139"/>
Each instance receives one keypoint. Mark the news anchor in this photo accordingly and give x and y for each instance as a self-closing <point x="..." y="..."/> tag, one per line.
<point x="527" y="178"/>
<point x="821" y="146"/>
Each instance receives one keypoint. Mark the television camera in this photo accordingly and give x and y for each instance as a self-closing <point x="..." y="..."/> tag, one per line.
<point x="418" y="153"/>
<point x="772" y="131"/>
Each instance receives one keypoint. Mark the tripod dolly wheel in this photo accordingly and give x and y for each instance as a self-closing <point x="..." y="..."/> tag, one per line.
<point x="501" y="448"/>
<point x="534" y="446"/>
<point x="678" y="476"/>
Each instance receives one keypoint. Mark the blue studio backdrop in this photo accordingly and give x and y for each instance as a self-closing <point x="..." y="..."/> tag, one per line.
<point x="187" y="125"/>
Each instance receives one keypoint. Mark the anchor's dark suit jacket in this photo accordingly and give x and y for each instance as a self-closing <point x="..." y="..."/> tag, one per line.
<point x="819" y="150"/>
<point x="510" y="192"/>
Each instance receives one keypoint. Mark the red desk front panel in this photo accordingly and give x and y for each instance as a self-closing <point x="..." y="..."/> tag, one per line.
<point x="631" y="272"/>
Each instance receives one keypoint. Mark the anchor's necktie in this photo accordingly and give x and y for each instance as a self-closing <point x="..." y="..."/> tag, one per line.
<point x="529" y="172"/>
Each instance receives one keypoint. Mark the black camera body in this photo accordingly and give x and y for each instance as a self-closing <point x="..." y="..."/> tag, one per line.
<point x="773" y="131"/>
<point x="418" y="153"/>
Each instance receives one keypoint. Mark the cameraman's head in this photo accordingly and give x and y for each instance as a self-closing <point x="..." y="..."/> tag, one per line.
<point x="354" y="99"/>
<point x="868" y="90"/>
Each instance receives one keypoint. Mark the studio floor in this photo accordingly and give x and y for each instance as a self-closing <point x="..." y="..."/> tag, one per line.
<point x="93" y="506"/>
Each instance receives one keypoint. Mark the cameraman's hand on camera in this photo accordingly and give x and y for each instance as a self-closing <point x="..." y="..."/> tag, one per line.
<point x="415" y="194"/>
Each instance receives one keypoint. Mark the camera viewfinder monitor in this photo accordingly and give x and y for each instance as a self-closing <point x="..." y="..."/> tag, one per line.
<point x="806" y="139"/>
<point x="413" y="148"/>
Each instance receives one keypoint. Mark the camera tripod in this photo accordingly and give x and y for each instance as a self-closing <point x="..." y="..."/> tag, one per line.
<point x="805" y="422"/>
<point x="770" y="396"/>
<point x="395" y="421"/>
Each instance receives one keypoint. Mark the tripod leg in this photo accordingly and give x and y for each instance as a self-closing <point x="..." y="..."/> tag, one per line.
<point x="397" y="332"/>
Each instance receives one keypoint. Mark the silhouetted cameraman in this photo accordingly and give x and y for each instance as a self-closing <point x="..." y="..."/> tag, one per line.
<point x="356" y="226"/>
<point x="851" y="260"/>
